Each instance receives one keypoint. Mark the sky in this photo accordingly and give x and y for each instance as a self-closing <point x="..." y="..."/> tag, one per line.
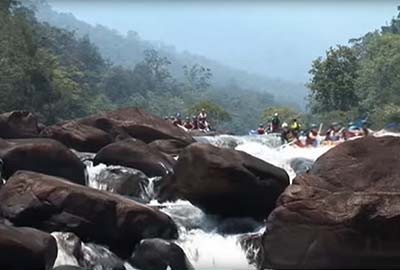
<point x="272" y="38"/>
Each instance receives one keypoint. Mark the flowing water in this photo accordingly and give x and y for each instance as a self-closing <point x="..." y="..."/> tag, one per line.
<point x="200" y="235"/>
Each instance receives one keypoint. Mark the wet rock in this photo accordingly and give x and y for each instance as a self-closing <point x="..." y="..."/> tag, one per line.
<point x="100" y="258"/>
<point x="122" y="180"/>
<point x="26" y="248"/>
<point x="41" y="155"/>
<point x="73" y="252"/>
<point x="301" y="165"/>
<point x="80" y="137"/>
<point x="52" y="204"/>
<point x="138" y="124"/>
<point x="344" y="213"/>
<point x="225" y="182"/>
<point x="135" y="154"/>
<point x="18" y="125"/>
<point x="159" y="254"/>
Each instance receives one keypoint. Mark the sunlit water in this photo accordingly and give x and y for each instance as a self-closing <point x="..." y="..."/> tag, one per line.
<point x="205" y="247"/>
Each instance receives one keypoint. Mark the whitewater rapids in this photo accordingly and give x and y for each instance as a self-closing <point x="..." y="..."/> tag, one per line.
<point x="204" y="245"/>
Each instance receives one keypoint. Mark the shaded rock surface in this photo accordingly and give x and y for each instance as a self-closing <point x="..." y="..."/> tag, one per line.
<point x="345" y="213"/>
<point x="41" y="155"/>
<point x="52" y="204"/>
<point x="80" y="137"/>
<point x="18" y="125"/>
<point x="121" y="180"/>
<point x="171" y="147"/>
<point x="159" y="254"/>
<point x="225" y="182"/>
<point x="99" y="258"/>
<point x="135" y="154"/>
<point x="138" y="124"/>
<point x="26" y="248"/>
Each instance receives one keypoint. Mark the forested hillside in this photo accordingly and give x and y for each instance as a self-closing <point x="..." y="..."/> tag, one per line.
<point x="60" y="75"/>
<point x="361" y="80"/>
<point x="127" y="50"/>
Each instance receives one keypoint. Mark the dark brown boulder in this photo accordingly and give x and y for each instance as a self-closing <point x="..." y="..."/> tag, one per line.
<point x="80" y="137"/>
<point x="135" y="154"/>
<point x="225" y="182"/>
<point x="170" y="147"/>
<point x="26" y="248"/>
<point x="159" y="254"/>
<point x="345" y="213"/>
<point x="52" y="204"/>
<point x="18" y="125"/>
<point x="137" y="124"/>
<point x="41" y="155"/>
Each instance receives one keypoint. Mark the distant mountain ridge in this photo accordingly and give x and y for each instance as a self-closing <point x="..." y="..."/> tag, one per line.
<point x="127" y="50"/>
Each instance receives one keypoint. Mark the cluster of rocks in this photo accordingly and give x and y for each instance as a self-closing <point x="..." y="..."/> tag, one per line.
<point x="341" y="212"/>
<point x="46" y="187"/>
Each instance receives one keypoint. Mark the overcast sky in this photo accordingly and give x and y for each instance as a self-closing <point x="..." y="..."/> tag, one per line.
<point x="274" y="38"/>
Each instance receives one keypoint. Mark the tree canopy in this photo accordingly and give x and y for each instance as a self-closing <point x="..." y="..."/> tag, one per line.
<point x="360" y="80"/>
<point x="59" y="75"/>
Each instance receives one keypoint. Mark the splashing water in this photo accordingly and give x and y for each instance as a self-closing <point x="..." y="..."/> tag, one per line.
<point x="205" y="248"/>
<point x="66" y="244"/>
<point x="149" y="191"/>
<point x="282" y="156"/>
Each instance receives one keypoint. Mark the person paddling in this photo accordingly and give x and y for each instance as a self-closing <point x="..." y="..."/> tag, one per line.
<point x="261" y="130"/>
<point x="295" y="127"/>
<point x="312" y="136"/>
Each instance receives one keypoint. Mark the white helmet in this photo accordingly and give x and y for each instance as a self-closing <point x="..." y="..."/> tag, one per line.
<point x="284" y="125"/>
<point x="276" y="114"/>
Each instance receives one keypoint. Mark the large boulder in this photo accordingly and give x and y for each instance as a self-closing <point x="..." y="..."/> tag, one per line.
<point x="159" y="254"/>
<point x="171" y="147"/>
<point x="52" y="204"/>
<point x="80" y="137"/>
<point x="41" y="155"/>
<point x="137" y="124"/>
<point x="345" y="213"/>
<point x="18" y="125"/>
<point x="135" y="154"/>
<point x="26" y="248"/>
<point x="225" y="182"/>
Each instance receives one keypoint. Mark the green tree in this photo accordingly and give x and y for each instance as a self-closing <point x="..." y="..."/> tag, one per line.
<point x="197" y="77"/>
<point x="378" y="77"/>
<point x="333" y="81"/>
